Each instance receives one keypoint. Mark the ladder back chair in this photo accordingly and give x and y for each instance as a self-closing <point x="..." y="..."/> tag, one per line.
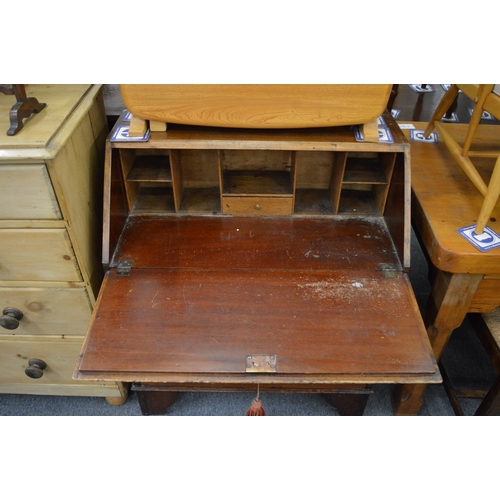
<point x="486" y="97"/>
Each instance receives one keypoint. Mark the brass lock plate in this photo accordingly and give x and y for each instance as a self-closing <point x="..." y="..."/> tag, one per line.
<point x="261" y="363"/>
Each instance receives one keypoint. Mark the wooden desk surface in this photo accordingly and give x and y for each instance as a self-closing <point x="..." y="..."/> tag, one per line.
<point x="444" y="200"/>
<point x="203" y="293"/>
<point x="41" y="127"/>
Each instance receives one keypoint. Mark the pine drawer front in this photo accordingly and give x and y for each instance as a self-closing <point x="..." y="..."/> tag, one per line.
<point x="60" y="356"/>
<point x="26" y="193"/>
<point x="257" y="205"/>
<point x="47" y="311"/>
<point x="37" y="255"/>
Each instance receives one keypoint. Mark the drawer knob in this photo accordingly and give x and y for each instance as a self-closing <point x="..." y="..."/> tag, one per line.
<point x="257" y="207"/>
<point x="35" y="368"/>
<point x="11" y="317"/>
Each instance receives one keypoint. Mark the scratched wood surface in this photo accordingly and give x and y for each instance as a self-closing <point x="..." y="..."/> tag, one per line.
<point x="257" y="242"/>
<point x="204" y="292"/>
<point x="160" y="321"/>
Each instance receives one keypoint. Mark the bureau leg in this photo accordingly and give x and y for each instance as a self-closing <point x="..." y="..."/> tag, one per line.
<point x="349" y="404"/>
<point x="407" y="399"/>
<point x="154" y="402"/>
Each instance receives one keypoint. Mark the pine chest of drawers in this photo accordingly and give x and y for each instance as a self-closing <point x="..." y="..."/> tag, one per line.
<point x="50" y="220"/>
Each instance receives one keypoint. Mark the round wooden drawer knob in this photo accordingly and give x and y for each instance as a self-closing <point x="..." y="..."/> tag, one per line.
<point x="11" y="318"/>
<point x="35" y="368"/>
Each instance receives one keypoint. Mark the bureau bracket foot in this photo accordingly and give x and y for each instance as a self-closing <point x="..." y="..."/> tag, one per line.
<point x="153" y="401"/>
<point x="349" y="403"/>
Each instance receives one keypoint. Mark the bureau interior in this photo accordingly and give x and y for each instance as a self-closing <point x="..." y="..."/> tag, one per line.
<point x="197" y="181"/>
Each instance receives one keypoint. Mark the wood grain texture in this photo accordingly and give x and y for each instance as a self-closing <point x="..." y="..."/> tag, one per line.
<point x="257" y="106"/>
<point x="37" y="254"/>
<point x="51" y="175"/>
<point x="444" y="200"/>
<point x="60" y="356"/>
<point x="27" y="193"/>
<point x="39" y="129"/>
<point x="206" y="291"/>
<point x="256" y="243"/>
<point x="49" y="311"/>
<point x="161" y="321"/>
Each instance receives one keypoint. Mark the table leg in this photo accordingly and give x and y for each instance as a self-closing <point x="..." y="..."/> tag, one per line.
<point x="448" y="304"/>
<point x="490" y="405"/>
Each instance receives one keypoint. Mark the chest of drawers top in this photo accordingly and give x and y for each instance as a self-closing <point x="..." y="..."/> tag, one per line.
<point x="39" y="138"/>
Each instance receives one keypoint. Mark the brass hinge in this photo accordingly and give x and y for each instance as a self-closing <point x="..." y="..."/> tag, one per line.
<point x="124" y="267"/>
<point x="261" y="363"/>
<point x="388" y="270"/>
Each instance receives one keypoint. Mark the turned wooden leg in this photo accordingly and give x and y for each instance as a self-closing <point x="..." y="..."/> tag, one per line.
<point x="446" y="102"/>
<point x="490" y="200"/>
<point x="154" y="402"/>
<point x="483" y="92"/>
<point x="463" y="162"/>
<point x="448" y="304"/>
<point x="117" y="401"/>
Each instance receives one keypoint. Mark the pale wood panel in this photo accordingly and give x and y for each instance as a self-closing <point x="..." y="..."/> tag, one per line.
<point x="492" y="319"/>
<point x="26" y="193"/>
<point x="314" y="170"/>
<point x="48" y="311"/>
<point x="37" y="254"/>
<point x="40" y="128"/>
<point x="78" y="169"/>
<point x="487" y="295"/>
<point x="61" y="356"/>
<point x="257" y="106"/>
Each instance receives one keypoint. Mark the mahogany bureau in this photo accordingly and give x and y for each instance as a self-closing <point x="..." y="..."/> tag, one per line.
<point x="245" y="260"/>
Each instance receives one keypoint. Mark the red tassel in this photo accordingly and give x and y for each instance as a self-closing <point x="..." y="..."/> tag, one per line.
<point x="256" y="409"/>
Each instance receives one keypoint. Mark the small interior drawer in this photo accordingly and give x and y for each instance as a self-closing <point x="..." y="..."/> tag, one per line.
<point x="257" y="205"/>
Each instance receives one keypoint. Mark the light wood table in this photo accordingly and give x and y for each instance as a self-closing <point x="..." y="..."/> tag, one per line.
<point x="464" y="279"/>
